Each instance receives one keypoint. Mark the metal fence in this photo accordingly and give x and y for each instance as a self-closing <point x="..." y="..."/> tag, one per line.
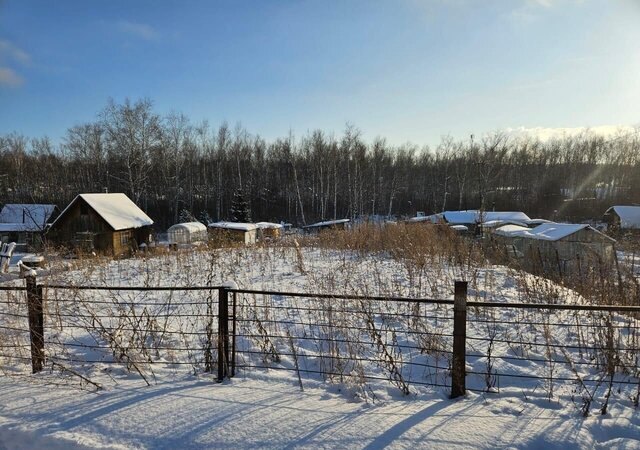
<point x="82" y="329"/>
<point x="345" y="337"/>
<point x="587" y="351"/>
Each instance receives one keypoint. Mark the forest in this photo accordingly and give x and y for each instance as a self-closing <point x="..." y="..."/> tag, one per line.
<point x="176" y="169"/>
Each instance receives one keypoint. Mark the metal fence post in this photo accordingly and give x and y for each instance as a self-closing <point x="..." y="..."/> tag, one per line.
<point x="36" y="323"/>
<point x="233" y="334"/>
<point x="223" y="334"/>
<point x="458" y="372"/>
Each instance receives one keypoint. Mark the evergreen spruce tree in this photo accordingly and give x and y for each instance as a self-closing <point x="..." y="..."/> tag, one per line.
<point x="205" y="218"/>
<point x="186" y="216"/>
<point x="240" y="210"/>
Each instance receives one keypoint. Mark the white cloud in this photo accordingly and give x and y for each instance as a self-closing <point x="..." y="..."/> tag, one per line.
<point x="9" y="78"/>
<point x="141" y="30"/>
<point x="9" y="50"/>
<point x="545" y="134"/>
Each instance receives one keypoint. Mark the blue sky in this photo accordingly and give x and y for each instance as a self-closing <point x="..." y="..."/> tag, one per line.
<point x="407" y="70"/>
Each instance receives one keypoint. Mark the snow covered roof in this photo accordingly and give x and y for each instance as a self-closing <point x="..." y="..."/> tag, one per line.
<point x="513" y="231"/>
<point x="536" y="222"/>
<point x="234" y="226"/>
<point x="497" y="223"/>
<point x="629" y="215"/>
<point x="433" y="218"/>
<point x="556" y="231"/>
<point x="475" y="216"/>
<point x="327" y="223"/>
<point x="192" y="227"/>
<point x="116" y="209"/>
<point x="546" y="231"/>
<point x="25" y="217"/>
<point x="268" y="225"/>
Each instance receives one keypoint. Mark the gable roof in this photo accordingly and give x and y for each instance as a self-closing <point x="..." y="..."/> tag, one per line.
<point x="546" y="231"/>
<point x="629" y="215"/>
<point x="116" y="209"/>
<point x="25" y="216"/>
<point x="557" y="231"/>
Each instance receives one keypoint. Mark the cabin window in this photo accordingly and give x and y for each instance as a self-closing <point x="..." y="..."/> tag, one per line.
<point x="125" y="238"/>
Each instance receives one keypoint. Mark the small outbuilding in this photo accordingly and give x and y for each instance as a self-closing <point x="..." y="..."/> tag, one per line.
<point x="622" y="218"/>
<point x="25" y="223"/>
<point x="560" y="248"/>
<point x="105" y="223"/>
<point x="246" y="233"/>
<point x="187" y="233"/>
<point x="339" y="224"/>
<point x="269" y="230"/>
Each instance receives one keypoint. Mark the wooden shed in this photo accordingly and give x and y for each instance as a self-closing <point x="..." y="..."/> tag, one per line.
<point x="559" y="248"/>
<point x="104" y="223"/>
<point x="269" y="230"/>
<point x="246" y="233"/>
<point x="623" y="218"/>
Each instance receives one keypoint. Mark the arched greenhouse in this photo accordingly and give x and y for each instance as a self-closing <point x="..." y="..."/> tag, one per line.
<point x="187" y="233"/>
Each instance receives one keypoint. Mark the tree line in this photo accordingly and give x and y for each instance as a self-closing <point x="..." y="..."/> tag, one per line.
<point x="176" y="169"/>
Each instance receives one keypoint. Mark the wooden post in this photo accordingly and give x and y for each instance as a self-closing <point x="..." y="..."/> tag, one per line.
<point x="36" y="323"/>
<point x="458" y="370"/>
<point x="223" y="334"/>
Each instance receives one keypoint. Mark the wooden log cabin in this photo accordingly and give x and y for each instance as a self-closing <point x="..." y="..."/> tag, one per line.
<point x="109" y="224"/>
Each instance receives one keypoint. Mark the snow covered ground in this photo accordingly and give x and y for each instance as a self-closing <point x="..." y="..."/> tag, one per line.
<point x="273" y="413"/>
<point x="183" y="407"/>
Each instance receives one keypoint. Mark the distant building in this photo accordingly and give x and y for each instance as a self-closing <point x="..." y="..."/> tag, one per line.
<point x="105" y="223"/>
<point x="269" y="230"/>
<point x="339" y="224"/>
<point x="621" y="218"/>
<point x="559" y="248"/>
<point x="246" y="233"/>
<point x="25" y="223"/>
<point x="474" y="219"/>
<point x="187" y="233"/>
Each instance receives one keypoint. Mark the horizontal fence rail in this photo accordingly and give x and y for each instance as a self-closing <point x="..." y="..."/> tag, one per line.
<point x="345" y="338"/>
<point x="139" y="329"/>
<point x="583" y="351"/>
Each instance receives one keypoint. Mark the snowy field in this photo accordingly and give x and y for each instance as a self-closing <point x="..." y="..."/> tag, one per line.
<point x="257" y="412"/>
<point x="522" y="364"/>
